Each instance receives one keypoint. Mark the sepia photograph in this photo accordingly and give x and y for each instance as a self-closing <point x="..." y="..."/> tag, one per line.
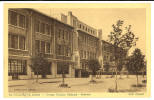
<point x="77" y="50"/>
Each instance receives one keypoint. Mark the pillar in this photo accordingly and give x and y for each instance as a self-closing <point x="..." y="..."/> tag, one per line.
<point x="29" y="70"/>
<point x="54" y="69"/>
<point x="71" y="71"/>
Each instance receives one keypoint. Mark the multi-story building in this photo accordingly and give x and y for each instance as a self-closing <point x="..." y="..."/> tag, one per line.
<point x="86" y="43"/>
<point x="109" y="52"/>
<point x="67" y="41"/>
<point x="31" y="32"/>
<point x="19" y="36"/>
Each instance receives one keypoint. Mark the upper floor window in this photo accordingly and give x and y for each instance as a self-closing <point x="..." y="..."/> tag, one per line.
<point x="43" y="47"/>
<point x="59" y="33"/>
<point x="16" y="42"/>
<point x="63" y="34"/>
<point x="52" y="30"/>
<point x="37" y="26"/>
<point x="47" y="47"/>
<point x="58" y="49"/>
<point x="21" y="20"/>
<point x="80" y="26"/>
<point x="13" y="18"/>
<point x="74" y="23"/>
<point x="83" y="27"/>
<point x="17" y="19"/>
<point x="22" y="42"/>
<point x="42" y="28"/>
<point x="37" y="46"/>
<point x="47" y="29"/>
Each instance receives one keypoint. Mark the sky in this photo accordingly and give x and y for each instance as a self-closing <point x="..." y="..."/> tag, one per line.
<point x="103" y="18"/>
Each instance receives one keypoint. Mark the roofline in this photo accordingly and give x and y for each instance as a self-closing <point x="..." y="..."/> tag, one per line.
<point x="50" y="17"/>
<point x="88" y="34"/>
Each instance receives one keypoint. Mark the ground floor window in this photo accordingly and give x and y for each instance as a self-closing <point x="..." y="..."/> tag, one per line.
<point x="62" y="67"/>
<point x="49" y="69"/>
<point x="17" y="67"/>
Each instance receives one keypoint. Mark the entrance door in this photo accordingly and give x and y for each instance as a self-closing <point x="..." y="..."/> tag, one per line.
<point x="15" y="76"/>
<point x="76" y="73"/>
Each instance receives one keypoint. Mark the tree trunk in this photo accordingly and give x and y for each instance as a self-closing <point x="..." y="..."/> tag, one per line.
<point x="116" y="86"/>
<point x="63" y="81"/>
<point x="137" y="79"/>
<point x="127" y="75"/>
<point x="37" y="77"/>
<point x="120" y="74"/>
<point x="143" y="74"/>
<point x="91" y="77"/>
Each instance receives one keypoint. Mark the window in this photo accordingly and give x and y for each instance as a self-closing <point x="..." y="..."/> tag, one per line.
<point x="37" y="46"/>
<point x="47" y="28"/>
<point x="63" y="34"/>
<point x="80" y="25"/>
<point x="59" y="33"/>
<point x="81" y="53"/>
<point x="9" y="41"/>
<point x="74" y="23"/>
<point x="43" y="47"/>
<point x="37" y="26"/>
<point x="67" y="51"/>
<point x="68" y="36"/>
<point x="88" y="54"/>
<point x="83" y="27"/>
<point x="47" y="47"/>
<point x="22" y="21"/>
<point x="17" y="19"/>
<point x="52" y="30"/>
<point x="62" y="67"/>
<point x="58" y="49"/>
<point x="84" y="54"/>
<point x="17" y="67"/>
<point x="22" y="42"/>
<point x="62" y="50"/>
<point x="13" y="18"/>
<point x="42" y="28"/>
<point x="14" y="41"/>
<point x="49" y="72"/>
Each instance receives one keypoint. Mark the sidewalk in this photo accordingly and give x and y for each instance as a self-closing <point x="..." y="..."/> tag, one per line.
<point x="75" y="84"/>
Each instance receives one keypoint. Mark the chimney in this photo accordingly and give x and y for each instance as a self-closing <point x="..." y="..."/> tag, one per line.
<point x="100" y="34"/>
<point x="70" y="13"/>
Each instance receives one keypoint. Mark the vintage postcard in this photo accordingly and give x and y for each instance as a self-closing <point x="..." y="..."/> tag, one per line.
<point x="77" y="50"/>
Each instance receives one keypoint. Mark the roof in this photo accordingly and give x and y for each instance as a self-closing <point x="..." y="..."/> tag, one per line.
<point x="50" y="17"/>
<point x="87" y="33"/>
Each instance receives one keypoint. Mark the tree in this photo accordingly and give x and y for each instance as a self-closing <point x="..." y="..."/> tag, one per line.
<point x="144" y="69"/>
<point x="94" y="66"/>
<point x="124" y="41"/>
<point x="106" y="67"/>
<point x="64" y="70"/>
<point x="39" y="65"/>
<point x="119" y="67"/>
<point x="136" y="63"/>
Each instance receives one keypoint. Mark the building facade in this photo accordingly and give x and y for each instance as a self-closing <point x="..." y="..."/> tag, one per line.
<point x="66" y="42"/>
<point x="30" y="33"/>
<point x="109" y="52"/>
<point x="86" y="44"/>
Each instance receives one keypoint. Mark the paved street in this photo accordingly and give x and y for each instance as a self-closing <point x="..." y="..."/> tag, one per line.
<point x="76" y="85"/>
